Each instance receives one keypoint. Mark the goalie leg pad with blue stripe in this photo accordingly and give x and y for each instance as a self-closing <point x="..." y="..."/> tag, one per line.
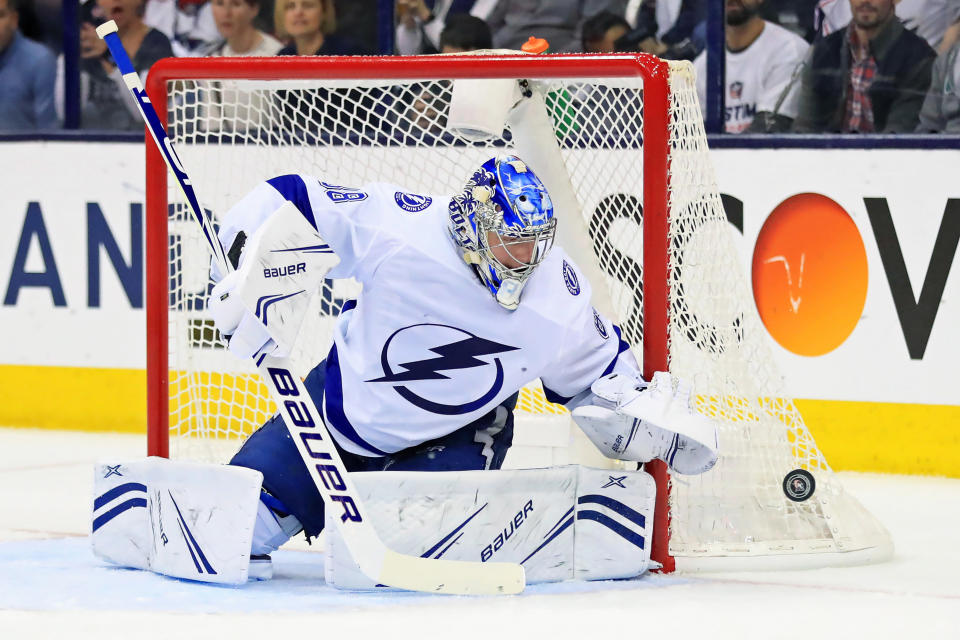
<point x="482" y="444"/>
<point x="560" y="523"/>
<point x="182" y="519"/>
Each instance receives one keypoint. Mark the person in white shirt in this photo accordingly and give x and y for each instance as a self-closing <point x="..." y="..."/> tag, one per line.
<point x="762" y="64"/>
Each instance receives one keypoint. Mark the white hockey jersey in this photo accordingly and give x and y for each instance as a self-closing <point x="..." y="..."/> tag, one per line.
<point x="425" y="349"/>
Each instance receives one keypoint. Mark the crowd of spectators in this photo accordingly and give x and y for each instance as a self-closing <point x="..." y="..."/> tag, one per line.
<point x="843" y="66"/>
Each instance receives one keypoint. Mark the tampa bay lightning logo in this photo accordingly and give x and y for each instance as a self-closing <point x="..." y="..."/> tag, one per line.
<point x="570" y="278"/>
<point x="598" y="323"/>
<point x="412" y="202"/>
<point x="404" y="363"/>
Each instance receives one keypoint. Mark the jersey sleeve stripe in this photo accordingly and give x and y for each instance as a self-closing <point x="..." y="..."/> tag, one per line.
<point x="621" y="347"/>
<point x="293" y="188"/>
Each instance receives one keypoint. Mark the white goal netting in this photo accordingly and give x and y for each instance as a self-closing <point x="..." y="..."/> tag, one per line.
<point x="231" y="134"/>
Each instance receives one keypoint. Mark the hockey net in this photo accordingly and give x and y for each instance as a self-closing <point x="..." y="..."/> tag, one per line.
<point x="630" y="136"/>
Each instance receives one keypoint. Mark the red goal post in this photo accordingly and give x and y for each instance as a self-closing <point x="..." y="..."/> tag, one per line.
<point x="646" y="135"/>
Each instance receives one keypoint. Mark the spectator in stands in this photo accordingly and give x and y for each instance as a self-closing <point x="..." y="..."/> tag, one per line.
<point x="671" y="29"/>
<point x="464" y="32"/>
<point x="27" y="72"/>
<point x="240" y="37"/>
<point x="188" y="24"/>
<point x="419" y="24"/>
<point x="310" y="25"/>
<point x="940" y="112"/>
<point x="929" y="19"/>
<point x="227" y="108"/>
<point x="105" y="102"/>
<point x="870" y="76"/>
<point x="761" y="60"/>
<point x="559" y="22"/>
<point x="602" y="31"/>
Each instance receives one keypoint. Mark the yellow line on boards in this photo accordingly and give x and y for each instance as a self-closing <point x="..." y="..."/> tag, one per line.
<point x="887" y="437"/>
<point x="883" y="437"/>
<point x="77" y="398"/>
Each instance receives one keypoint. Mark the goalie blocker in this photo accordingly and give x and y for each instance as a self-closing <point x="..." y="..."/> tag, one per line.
<point x="199" y="521"/>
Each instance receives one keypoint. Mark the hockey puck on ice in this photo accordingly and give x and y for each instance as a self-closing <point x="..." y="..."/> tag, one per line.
<point x="798" y="485"/>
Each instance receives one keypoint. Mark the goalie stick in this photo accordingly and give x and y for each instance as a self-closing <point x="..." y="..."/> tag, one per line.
<point x="308" y="430"/>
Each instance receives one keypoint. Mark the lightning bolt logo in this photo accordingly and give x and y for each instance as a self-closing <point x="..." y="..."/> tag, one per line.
<point x="456" y="355"/>
<point x="460" y="354"/>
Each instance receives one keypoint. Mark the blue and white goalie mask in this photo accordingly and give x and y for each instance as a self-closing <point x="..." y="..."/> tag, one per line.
<point x="503" y="224"/>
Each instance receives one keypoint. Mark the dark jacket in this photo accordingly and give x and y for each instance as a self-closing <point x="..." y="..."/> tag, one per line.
<point x="904" y="60"/>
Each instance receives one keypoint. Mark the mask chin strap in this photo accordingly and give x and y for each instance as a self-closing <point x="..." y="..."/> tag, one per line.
<point x="508" y="294"/>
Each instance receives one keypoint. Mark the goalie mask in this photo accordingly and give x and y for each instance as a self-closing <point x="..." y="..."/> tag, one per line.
<point x="503" y="224"/>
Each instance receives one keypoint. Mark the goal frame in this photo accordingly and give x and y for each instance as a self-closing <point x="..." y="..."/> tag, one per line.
<point x="656" y="165"/>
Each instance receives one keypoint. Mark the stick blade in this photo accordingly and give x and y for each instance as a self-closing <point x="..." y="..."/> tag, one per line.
<point x="451" y="576"/>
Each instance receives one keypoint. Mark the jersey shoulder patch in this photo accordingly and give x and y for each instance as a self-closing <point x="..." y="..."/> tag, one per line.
<point x="570" y="279"/>
<point x="412" y="202"/>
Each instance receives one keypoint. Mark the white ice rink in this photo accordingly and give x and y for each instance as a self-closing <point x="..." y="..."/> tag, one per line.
<point x="51" y="586"/>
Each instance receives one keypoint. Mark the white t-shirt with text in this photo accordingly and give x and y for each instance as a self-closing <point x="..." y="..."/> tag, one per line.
<point x="757" y="76"/>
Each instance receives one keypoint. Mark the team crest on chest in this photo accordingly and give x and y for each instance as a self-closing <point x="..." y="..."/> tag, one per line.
<point x="442" y="369"/>
<point x="412" y="202"/>
<point x="570" y="278"/>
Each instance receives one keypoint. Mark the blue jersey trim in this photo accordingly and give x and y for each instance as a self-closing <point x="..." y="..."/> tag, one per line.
<point x="621" y="347"/>
<point x="333" y="399"/>
<point x="293" y="188"/>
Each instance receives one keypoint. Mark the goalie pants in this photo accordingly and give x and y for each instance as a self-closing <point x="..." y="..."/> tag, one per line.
<point x="482" y="444"/>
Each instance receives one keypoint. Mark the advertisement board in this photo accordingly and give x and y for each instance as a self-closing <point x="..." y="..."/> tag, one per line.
<point x="849" y="255"/>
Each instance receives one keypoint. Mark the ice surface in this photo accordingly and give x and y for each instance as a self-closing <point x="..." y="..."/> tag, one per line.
<point x="51" y="586"/>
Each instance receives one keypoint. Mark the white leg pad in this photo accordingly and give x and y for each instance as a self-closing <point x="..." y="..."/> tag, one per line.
<point x="614" y="530"/>
<point x="535" y="517"/>
<point x="181" y="519"/>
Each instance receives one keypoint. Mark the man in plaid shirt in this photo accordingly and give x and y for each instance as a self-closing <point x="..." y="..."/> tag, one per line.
<point x="870" y="76"/>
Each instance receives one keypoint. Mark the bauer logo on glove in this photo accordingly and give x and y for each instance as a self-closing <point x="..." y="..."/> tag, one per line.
<point x="630" y="420"/>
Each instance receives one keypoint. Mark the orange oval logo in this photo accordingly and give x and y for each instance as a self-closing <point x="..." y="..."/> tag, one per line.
<point x="809" y="274"/>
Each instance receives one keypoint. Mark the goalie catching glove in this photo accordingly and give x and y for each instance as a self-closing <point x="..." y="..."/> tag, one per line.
<point x="631" y="420"/>
<point x="260" y="307"/>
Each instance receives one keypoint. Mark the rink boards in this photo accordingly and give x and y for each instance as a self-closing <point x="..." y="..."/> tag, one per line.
<point x="879" y="373"/>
